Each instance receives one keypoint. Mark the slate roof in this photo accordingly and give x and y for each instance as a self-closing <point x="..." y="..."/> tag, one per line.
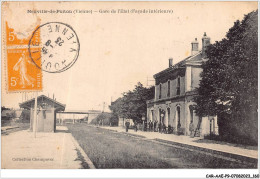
<point x="195" y="59"/>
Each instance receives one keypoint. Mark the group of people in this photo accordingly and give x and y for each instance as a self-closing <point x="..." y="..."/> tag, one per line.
<point x="159" y="127"/>
<point x="151" y="126"/>
<point x="156" y="127"/>
<point x="127" y="125"/>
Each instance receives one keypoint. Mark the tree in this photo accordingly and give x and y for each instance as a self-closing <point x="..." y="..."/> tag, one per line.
<point x="228" y="87"/>
<point x="133" y="103"/>
<point x="4" y="108"/>
<point x="113" y="120"/>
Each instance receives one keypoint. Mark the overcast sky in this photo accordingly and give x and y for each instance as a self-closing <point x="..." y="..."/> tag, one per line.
<point x="118" y="50"/>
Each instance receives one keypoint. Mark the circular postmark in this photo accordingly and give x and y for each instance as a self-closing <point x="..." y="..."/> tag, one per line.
<point x="57" y="49"/>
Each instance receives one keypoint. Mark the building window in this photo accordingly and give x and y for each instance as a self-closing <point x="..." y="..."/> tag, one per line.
<point x="178" y="88"/>
<point x="162" y="115"/>
<point x="178" y="117"/>
<point x="169" y="88"/>
<point x="160" y="91"/>
<point x="191" y="114"/>
<point x="44" y="114"/>
<point x="169" y="115"/>
<point x="152" y="115"/>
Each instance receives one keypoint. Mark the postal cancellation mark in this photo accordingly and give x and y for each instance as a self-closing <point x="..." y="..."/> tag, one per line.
<point x="59" y="47"/>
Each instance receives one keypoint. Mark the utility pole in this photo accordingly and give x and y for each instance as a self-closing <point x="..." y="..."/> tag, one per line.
<point x="148" y="80"/>
<point x="104" y="106"/>
<point x="35" y="114"/>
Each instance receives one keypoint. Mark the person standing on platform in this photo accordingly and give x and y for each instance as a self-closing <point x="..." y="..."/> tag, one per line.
<point x="127" y="124"/>
<point x="160" y="127"/>
<point x="155" y="125"/>
<point x="191" y="128"/>
<point x="135" y="123"/>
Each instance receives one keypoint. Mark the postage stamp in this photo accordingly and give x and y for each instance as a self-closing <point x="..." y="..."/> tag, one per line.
<point x="59" y="49"/>
<point x="22" y="73"/>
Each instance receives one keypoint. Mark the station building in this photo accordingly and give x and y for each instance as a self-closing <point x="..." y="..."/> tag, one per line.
<point x="47" y="109"/>
<point x="175" y="89"/>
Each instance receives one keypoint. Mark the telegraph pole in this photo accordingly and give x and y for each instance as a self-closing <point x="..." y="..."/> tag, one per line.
<point x="35" y="114"/>
<point x="148" y="80"/>
<point x="104" y="106"/>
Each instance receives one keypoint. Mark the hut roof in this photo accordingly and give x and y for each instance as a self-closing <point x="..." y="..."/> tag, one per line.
<point x="57" y="105"/>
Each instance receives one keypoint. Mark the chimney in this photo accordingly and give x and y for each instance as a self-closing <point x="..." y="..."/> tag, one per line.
<point x="170" y="62"/>
<point x="205" y="43"/>
<point x="194" y="47"/>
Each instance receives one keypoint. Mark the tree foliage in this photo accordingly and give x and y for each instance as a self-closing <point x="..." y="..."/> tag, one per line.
<point x="4" y="108"/>
<point x="229" y="79"/>
<point x="106" y="119"/>
<point x="132" y="104"/>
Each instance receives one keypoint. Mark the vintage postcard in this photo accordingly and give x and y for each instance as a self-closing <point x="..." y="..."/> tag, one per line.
<point x="130" y="85"/>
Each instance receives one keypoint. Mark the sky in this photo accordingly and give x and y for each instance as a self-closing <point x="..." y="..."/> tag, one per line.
<point x="119" y="50"/>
